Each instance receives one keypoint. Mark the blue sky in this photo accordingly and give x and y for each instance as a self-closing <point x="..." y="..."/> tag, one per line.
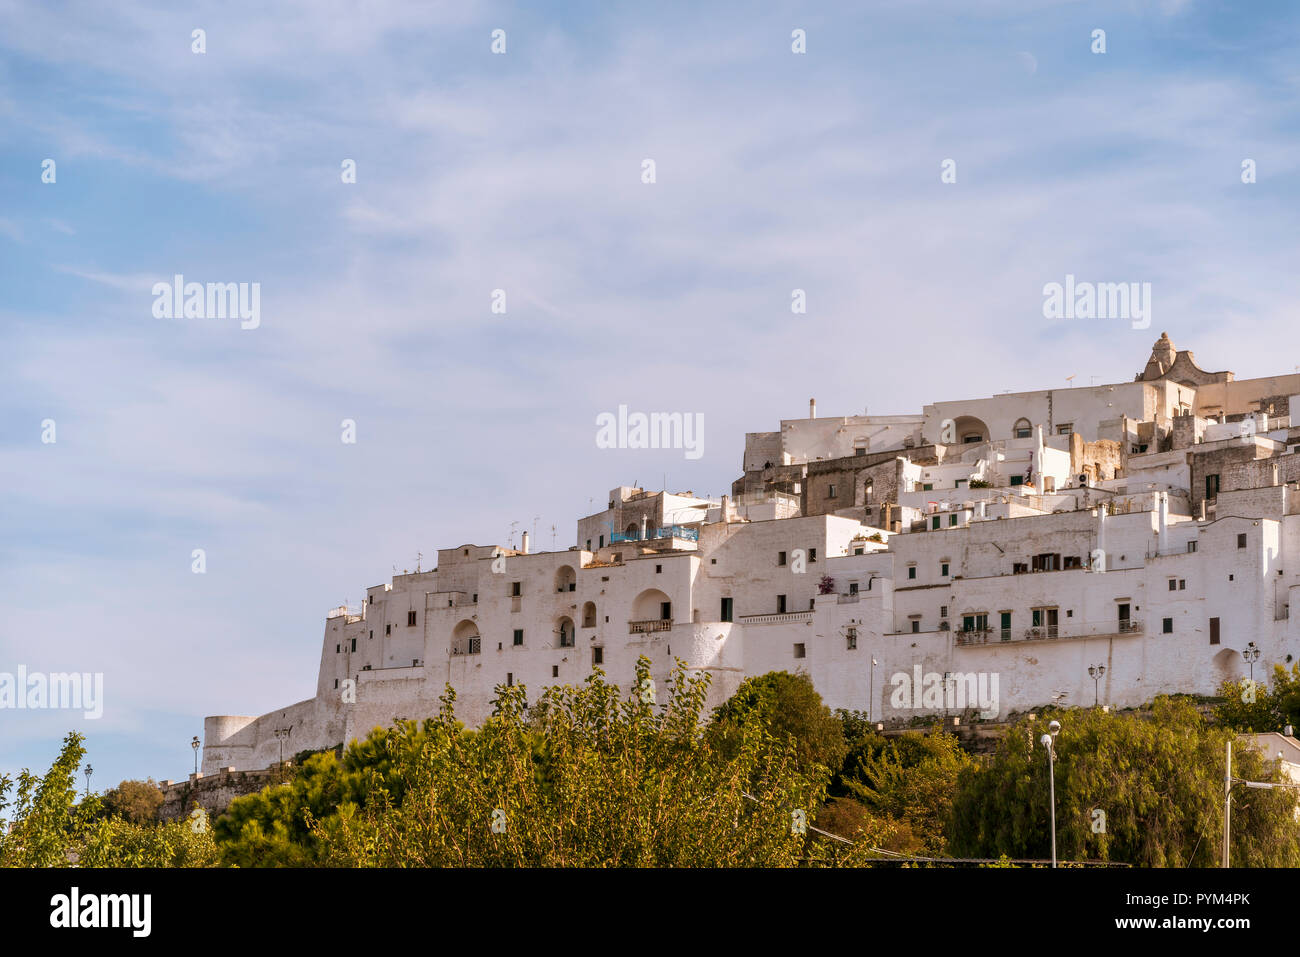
<point x="521" y="171"/>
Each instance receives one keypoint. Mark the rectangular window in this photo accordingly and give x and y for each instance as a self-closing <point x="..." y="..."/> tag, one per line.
<point x="1173" y="584"/>
<point x="911" y="571"/>
<point x="665" y="611"/>
<point x="354" y="644"/>
<point x="1214" y="631"/>
<point x="812" y="554"/>
<point x="853" y="588"/>
<point x="780" y="558"/>
<point x="943" y="611"/>
<point x="916" y="625"/>
<point x="410" y="619"/>
<point x="1182" y="584"/>
<point x="1212" y="486"/>
<point x="927" y="487"/>
<point x="388" y="629"/>
<point x="851" y="639"/>
<point x="952" y="519"/>
<point x="1004" y="623"/>
<point x="510" y="679"/>
<point x="659" y="569"/>
<point x="1191" y="546"/>
<point x="1241" y="540"/>
<point x="589" y="544"/>
<point x="934" y="522"/>
<point x="336" y="682"/>
<point x="602" y="541"/>
<point x="598" y="655"/>
<point x="1019" y="568"/>
<point x="978" y="622"/>
<point x="780" y="604"/>
<point x="800" y="651"/>
<point x="830" y="490"/>
<point x="1065" y="428"/>
<point x="519" y="636"/>
<point x="338" y="649"/>
<point x="1017" y="480"/>
<point x="1167" y="626"/>
<point x="726" y="610"/>
<point x="516" y="589"/>
<point x="555" y="671"/>
<point x="943" y="569"/>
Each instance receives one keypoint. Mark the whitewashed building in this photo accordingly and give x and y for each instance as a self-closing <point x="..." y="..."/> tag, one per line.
<point x="987" y="556"/>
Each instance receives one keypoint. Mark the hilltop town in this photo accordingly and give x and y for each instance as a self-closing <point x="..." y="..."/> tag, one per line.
<point x="982" y="557"/>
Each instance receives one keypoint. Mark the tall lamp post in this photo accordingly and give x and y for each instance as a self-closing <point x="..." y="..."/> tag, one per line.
<point x="282" y="734"/>
<point x="195" y="745"/>
<point x="871" y="691"/>
<point x="1095" y="672"/>
<point x="88" y="772"/>
<point x="1048" y="741"/>
<point x="1251" y="655"/>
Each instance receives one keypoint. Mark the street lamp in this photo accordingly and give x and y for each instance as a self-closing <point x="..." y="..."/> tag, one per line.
<point x="1251" y="655"/>
<point x="195" y="745"/>
<point x="871" y="691"/>
<point x="1095" y="672"/>
<point x="88" y="772"/>
<point x="1048" y="741"/>
<point x="282" y="734"/>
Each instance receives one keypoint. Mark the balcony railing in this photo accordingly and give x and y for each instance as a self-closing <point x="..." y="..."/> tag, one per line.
<point x="778" y="618"/>
<point x="993" y="636"/>
<point x="668" y="531"/>
<point x="648" y="626"/>
<point x="467" y="646"/>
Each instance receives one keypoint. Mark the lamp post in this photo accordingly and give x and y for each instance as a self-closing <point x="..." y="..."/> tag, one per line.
<point x="871" y="691"/>
<point x="1048" y="741"/>
<point x="88" y="772"/>
<point x="1251" y="655"/>
<point x="1095" y="672"/>
<point x="195" y="745"/>
<point x="282" y="735"/>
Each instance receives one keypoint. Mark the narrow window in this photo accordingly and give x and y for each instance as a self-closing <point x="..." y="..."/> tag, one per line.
<point x="911" y="571"/>
<point x="388" y="629"/>
<point x="519" y="636"/>
<point x="812" y="554"/>
<point x="1214" y="631"/>
<point x="943" y="569"/>
<point x="510" y="679"/>
<point x="1241" y="540"/>
<point x="916" y="626"/>
<point x="1167" y="626"/>
<point x="1173" y="584"/>
<point x="853" y="588"/>
<point x="659" y="569"/>
<point x="952" y="519"/>
<point x="410" y="619"/>
<point x="780" y="604"/>
<point x="934" y="522"/>
<point x="516" y="589"/>
<point x="943" y="611"/>
<point x="726" y="610"/>
<point x="354" y="644"/>
<point x="598" y="655"/>
<point x="665" y="610"/>
<point x="555" y="671"/>
<point x="830" y="490"/>
<point x="780" y="558"/>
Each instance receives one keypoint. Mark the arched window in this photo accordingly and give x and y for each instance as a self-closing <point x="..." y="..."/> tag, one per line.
<point x="1022" y="429"/>
<point x="589" y="615"/>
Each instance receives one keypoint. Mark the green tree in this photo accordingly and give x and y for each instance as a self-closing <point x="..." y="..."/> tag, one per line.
<point x="911" y="778"/>
<point x="589" y="777"/>
<point x="136" y="801"/>
<point x="792" y="710"/>
<point x="1157" y="778"/>
<point x="1272" y="708"/>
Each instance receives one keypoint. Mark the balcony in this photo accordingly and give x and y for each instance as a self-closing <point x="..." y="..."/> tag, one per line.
<point x="649" y="626"/>
<point x="847" y="599"/>
<point x="777" y="619"/>
<point x="668" y="531"/>
<point x="467" y="646"/>
<point x="1101" y="629"/>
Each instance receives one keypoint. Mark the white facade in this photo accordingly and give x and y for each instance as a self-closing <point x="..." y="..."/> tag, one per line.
<point x="995" y="600"/>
